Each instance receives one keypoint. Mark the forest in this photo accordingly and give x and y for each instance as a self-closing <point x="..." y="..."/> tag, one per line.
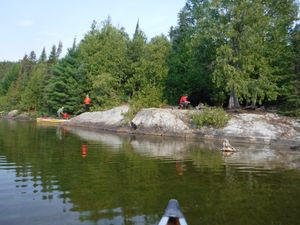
<point x="222" y="53"/>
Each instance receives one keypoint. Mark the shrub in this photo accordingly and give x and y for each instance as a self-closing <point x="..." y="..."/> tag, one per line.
<point x="215" y="117"/>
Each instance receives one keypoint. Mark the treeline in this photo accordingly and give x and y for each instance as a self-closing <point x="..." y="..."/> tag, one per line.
<point x="222" y="52"/>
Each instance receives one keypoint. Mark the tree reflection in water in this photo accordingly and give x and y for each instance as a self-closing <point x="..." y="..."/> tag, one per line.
<point x="117" y="179"/>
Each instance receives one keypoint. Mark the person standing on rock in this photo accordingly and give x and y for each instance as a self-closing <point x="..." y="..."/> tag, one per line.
<point x="87" y="103"/>
<point x="60" y="112"/>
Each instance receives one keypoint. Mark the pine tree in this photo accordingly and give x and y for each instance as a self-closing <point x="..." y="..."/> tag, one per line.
<point x="43" y="57"/>
<point x="179" y="80"/>
<point x="67" y="85"/>
<point x="291" y="86"/>
<point x="9" y="78"/>
<point x="59" y="50"/>
<point x="53" y="55"/>
<point x="136" y="53"/>
<point x="32" y="96"/>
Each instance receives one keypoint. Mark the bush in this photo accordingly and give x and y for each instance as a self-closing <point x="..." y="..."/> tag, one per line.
<point x="215" y="117"/>
<point x="291" y="113"/>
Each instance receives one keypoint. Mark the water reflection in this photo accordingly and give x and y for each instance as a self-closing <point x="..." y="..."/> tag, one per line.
<point x="180" y="149"/>
<point x="84" y="150"/>
<point x="112" y="140"/>
<point x="85" y="177"/>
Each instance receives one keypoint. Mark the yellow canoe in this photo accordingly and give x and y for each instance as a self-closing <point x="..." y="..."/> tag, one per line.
<point x="50" y="120"/>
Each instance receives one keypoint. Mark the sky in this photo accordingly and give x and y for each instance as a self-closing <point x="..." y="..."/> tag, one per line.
<point x="30" y="25"/>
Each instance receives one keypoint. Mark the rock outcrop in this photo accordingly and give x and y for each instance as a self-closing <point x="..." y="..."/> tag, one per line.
<point x="107" y="120"/>
<point x="265" y="128"/>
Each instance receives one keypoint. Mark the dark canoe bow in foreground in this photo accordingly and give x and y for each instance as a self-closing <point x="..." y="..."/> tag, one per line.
<point x="173" y="214"/>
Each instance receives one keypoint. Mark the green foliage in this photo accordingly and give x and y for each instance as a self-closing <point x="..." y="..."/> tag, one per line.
<point x="245" y="56"/>
<point x="147" y="80"/>
<point x="32" y="98"/>
<point x="9" y="78"/>
<point x="4" y="104"/>
<point x="180" y="77"/>
<point x="291" y="84"/>
<point x="107" y="91"/>
<point x="18" y="88"/>
<point x="236" y="47"/>
<point x="43" y="56"/>
<point x="215" y="117"/>
<point x="104" y="55"/>
<point x="53" y="55"/>
<point x="66" y="85"/>
<point x="5" y="67"/>
<point x="136" y="54"/>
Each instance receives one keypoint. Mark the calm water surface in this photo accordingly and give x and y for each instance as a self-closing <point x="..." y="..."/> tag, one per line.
<point x="51" y="175"/>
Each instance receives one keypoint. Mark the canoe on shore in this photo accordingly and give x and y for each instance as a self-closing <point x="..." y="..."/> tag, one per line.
<point x="50" y="120"/>
<point x="173" y="214"/>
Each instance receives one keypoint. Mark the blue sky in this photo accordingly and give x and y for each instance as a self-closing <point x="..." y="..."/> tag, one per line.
<point x="28" y="25"/>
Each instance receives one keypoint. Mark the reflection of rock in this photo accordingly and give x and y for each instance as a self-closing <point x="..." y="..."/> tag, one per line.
<point x="265" y="158"/>
<point x="161" y="148"/>
<point x="89" y="135"/>
<point x="202" y="153"/>
<point x="153" y="147"/>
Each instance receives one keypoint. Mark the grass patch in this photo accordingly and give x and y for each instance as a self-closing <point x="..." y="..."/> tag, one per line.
<point x="214" y="117"/>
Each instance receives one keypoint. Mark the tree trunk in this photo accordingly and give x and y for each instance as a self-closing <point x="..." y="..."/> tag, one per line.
<point x="233" y="101"/>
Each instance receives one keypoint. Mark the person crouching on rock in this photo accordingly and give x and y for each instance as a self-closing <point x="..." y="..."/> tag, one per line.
<point x="184" y="103"/>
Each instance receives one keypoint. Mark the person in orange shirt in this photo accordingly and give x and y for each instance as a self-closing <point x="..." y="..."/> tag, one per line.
<point x="87" y="103"/>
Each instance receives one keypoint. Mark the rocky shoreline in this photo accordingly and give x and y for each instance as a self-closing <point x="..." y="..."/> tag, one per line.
<point x="260" y="128"/>
<point x="264" y="128"/>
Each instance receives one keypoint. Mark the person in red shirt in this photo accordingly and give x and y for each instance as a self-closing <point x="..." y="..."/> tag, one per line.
<point x="66" y="116"/>
<point x="87" y="103"/>
<point x="184" y="103"/>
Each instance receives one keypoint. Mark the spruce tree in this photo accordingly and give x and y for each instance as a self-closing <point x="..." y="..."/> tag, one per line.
<point x="179" y="80"/>
<point x="43" y="56"/>
<point x="32" y="57"/>
<point x="53" y="55"/>
<point x="32" y="96"/>
<point x="67" y="85"/>
<point x="59" y="50"/>
<point x="136" y="53"/>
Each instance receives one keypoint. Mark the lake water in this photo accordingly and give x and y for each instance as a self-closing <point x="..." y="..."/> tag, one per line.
<point x="52" y="175"/>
